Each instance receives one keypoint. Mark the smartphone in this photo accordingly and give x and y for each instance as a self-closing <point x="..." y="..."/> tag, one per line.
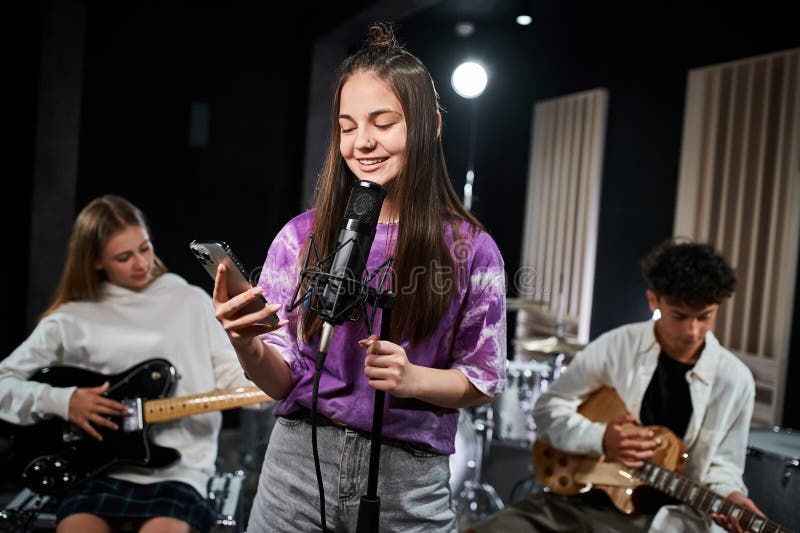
<point x="213" y="253"/>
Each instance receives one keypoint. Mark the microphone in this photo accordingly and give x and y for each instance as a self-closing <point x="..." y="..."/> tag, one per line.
<point x="335" y="293"/>
<point x="341" y="292"/>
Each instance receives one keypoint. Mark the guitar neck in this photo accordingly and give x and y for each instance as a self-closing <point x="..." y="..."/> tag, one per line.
<point x="166" y="409"/>
<point x="703" y="499"/>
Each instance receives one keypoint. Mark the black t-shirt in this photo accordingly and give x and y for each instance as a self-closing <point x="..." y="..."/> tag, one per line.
<point x="667" y="402"/>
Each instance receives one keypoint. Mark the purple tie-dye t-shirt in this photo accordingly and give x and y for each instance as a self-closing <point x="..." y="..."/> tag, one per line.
<point x="471" y="337"/>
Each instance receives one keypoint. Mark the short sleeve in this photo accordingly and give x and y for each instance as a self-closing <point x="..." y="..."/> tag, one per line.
<point x="278" y="281"/>
<point x="479" y="345"/>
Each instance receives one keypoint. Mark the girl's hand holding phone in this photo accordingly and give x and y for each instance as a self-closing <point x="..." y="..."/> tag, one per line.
<point x="242" y="328"/>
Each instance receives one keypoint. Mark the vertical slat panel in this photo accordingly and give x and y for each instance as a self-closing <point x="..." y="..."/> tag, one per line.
<point x="583" y="194"/>
<point x="687" y="200"/>
<point x="551" y="222"/>
<point x="755" y="175"/>
<point x="598" y="104"/>
<point x="706" y="186"/>
<point x="572" y="259"/>
<point x="740" y="157"/>
<point x="565" y="241"/>
<point x="791" y="242"/>
<point x="740" y="219"/>
<point x="770" y="173"/>
<point x="717" y="150"/>
<point x="562" y="297"/>
<point x="564" y="175"/>
<point x="773" y="239"/>
<point x="724" y="238"/>
<point x="544" y="215"/>
<point x="557" y="245"/>
<point x="596" y="148"/>
<point x="533" y="199"/>
<point x="532" y="195"/>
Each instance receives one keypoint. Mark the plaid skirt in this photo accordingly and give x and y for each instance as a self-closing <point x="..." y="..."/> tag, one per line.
<point x="115" y="498"/>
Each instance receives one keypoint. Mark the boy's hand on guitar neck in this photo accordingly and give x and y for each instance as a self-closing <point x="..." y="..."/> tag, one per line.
<point x="626" y="442"/>
<point x="87" y="406"/>
<point x="731" y="523"/>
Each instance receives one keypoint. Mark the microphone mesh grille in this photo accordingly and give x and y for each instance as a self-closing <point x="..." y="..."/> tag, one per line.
<point x="365" y="202"/>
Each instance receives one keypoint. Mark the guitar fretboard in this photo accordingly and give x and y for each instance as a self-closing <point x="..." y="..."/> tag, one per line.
<point x="173" y="408"/>
<point x="703" y="499"/>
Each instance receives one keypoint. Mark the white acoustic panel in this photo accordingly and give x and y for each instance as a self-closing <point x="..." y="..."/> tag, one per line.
<point x="739" y="189"/>
<point x="562" y="208"/>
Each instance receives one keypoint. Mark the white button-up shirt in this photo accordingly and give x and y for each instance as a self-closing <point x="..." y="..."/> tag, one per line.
<point x="723" y="396"/>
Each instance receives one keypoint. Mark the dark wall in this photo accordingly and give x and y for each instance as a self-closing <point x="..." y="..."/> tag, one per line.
<point x="145" y="65"/>
<point x="144" y="70"/>
<point x="572" y="46"/>
<point x="15" y="217"/>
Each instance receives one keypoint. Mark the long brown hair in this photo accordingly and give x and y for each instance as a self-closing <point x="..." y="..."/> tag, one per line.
<point x="94" y="226"/>
<point x="424" y="195"/>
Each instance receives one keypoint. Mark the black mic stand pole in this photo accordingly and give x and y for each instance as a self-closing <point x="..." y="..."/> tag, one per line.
<point x="370" y="506"/>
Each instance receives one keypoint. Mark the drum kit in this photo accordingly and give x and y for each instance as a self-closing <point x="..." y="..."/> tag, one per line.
<point x="507" y="421"/>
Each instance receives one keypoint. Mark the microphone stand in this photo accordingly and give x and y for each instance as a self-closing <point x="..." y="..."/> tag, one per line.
<point x="370" y="506"/>
<point x="317" y="279"/>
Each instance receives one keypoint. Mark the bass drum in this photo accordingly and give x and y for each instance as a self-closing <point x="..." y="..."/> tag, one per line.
<point x="464" y="459"/>
<point x="513" y="409"/>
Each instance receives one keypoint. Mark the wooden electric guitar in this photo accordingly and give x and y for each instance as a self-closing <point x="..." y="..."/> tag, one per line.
<point x="64" y="456"/>
<point x="569" y="474"/>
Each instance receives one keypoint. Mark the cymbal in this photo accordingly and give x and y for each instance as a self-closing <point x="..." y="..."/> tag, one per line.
<point x="548" y="345"/>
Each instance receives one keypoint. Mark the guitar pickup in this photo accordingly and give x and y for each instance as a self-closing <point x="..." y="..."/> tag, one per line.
<point x="133" y="421"/>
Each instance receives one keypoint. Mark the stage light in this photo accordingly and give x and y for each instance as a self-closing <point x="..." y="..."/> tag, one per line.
<point x="524" y="20"/>
<point x="469" y="79"/>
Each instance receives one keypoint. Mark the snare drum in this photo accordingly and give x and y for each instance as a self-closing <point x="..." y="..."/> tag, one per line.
<point x="513" y="409"/>
<point x="772" y="473"/>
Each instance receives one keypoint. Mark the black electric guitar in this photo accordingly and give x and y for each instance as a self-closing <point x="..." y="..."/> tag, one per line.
<point x="64" y="456"/>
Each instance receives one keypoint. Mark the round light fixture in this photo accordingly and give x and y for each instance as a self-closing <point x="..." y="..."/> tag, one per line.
<point x="469" y="79"/>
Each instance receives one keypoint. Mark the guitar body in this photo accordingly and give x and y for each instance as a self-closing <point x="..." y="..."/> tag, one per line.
<point x="62" y="456"/>
<point x="569" y="474"/>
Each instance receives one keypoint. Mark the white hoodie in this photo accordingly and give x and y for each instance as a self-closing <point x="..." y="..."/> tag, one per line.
<point x="168" y="319"/>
